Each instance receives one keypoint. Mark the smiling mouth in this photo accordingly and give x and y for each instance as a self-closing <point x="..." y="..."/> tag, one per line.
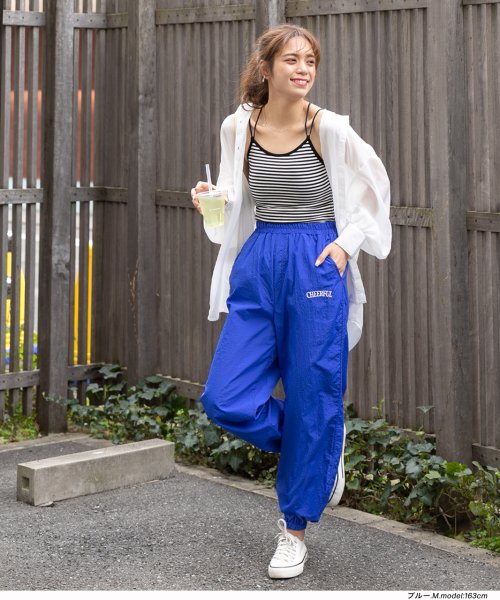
<point x="302" y="82"/>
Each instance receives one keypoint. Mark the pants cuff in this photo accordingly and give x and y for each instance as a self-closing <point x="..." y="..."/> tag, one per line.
<point x="295" y="522"/>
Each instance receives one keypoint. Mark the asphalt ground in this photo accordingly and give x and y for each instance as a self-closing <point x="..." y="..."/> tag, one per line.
<point x="199" y="530"/>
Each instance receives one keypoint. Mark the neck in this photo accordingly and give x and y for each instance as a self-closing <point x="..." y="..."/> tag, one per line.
<point x="281" y="113"/>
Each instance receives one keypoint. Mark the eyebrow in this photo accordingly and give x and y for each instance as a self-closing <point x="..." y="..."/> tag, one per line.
<point x="311" y="54"/>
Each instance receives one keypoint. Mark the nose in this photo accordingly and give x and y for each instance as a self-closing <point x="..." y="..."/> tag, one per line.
<point x="302" y="66"/>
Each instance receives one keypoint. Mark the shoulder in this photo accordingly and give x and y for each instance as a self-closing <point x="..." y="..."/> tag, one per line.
<point x="239" y="117"/>
<point x="332" y="122"/>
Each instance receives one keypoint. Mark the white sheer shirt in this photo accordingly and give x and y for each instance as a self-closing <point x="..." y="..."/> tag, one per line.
<point x="361" y="196"/>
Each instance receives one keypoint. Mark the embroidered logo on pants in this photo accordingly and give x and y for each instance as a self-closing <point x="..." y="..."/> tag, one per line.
<point x="319" y="293"/>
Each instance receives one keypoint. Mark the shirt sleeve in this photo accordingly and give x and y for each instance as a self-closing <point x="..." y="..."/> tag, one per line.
<point x="225" y="178"/>
<point x="368" y="200"/>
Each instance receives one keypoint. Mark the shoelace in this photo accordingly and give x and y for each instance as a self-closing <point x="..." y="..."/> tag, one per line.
<point x="287" y="543"/>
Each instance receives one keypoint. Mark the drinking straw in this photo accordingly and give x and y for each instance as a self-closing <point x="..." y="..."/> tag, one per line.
<point x="209" y="179"/>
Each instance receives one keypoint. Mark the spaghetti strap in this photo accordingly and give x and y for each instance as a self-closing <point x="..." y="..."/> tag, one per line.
<point x="307" y="114"/>
<point x="252" y="135"/>
<point x="312" y="124"/>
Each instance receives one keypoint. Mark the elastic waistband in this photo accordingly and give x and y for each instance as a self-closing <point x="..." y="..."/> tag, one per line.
<point x="307" y="227"/>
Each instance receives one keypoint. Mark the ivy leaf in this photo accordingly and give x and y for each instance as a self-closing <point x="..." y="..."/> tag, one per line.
<point x="190" y="441"/>
<point x="414" y="467"/>
<point x="456" y="469"/>
<point x="353" y="484"/>
<point x="155" y="379"/>
<point x="161" y="411"/>
<point x="234" y="462"/>
<point x="426" y="408"/>
<point x="211" y="437"/>
<point x="110" y="371"/>
<point x="353" y="460"/>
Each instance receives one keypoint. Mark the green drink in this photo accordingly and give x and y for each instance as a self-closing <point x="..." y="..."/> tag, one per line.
<point x="212" y="207"/>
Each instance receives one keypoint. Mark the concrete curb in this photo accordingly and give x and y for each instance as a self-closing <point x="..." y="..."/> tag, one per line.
<point x="97" y="470"/>
<point x="55" y="438"/>
<point x="410" y="532"/>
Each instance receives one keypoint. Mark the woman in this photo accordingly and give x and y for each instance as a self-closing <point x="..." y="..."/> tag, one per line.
<point x="305" y="194"/>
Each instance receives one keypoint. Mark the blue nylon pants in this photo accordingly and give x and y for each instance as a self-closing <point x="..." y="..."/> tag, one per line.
<point x="286" y="318"/>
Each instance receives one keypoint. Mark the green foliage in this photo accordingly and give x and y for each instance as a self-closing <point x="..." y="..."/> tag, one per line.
<point x="120" y="413"/>
<point x="198" y="440"/>
<point x="18" y="427"/>
<point x="388" y="471"/>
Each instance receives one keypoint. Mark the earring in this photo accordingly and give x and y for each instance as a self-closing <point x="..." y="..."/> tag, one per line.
<point x="263" y="78"/>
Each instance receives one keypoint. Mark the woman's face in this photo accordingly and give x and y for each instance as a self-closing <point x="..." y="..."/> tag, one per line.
<point x="294" y="70"/>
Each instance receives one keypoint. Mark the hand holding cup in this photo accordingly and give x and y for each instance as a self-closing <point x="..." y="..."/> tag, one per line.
<point x="201" y="186"/>
<point x="210" y="203"/>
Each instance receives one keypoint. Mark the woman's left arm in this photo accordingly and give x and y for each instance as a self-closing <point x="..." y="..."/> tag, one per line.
<point x="367" y="205"/>
<point x="367" y="202"/>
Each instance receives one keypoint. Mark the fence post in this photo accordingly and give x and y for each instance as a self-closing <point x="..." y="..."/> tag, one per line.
<point x="451" y="357"/>
<point x="268" y="14"/>
<point x="55" y="218"/>
<point x="142" y="259"/>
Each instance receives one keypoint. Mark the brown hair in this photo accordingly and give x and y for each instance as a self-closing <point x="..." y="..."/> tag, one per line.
<point x="253" y="90"/>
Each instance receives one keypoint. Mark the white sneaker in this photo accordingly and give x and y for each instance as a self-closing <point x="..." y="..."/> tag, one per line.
<point x="339" y="483"/>
<point x="290" y="556"/>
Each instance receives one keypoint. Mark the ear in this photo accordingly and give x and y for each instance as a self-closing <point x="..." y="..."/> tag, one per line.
<point x="263" y="69"/>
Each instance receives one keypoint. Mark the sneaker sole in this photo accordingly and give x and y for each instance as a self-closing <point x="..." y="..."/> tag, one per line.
<point x="338" y="486"/>
<point x="287" y="572"/>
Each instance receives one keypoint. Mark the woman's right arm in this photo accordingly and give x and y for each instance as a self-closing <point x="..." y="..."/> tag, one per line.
<point x="225" y="178"/>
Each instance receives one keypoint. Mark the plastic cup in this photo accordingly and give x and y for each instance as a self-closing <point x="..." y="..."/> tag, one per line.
<point x="212" y="207"/>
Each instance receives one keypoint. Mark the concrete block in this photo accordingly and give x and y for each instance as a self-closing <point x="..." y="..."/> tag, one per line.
<point x="82" y="473"/>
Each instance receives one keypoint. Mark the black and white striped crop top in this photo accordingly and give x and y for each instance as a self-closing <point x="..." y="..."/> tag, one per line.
<point x="291" y="187"/>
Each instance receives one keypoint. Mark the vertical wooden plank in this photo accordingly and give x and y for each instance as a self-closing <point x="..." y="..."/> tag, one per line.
<point x="55" y="214"/>
<point x="491" y="262"/>
<point x="268" y="13"/>
<point x="29" y="303"/>
<point x="165" y="289"/>
<point x="345" y="64"/>
<point x="371" y="273"/>
<point x="5" y="91"/>
<point x="416" y="195"/>
<point x="176" y="283"/>
<point x="31" y="209"/>
<point x="17" y="175"/>
<point x="405" y="105"/>
<point x="85" y="168"/>
<point x="15" y="298"/>
<point x="3" y="297"/>
<point x="474" y="300"/>
<point x="83" y="269"/>
<point x="482" y="151"/>
<point x="142" y="292"/>
<point x="99" y="169"/>
<point x="5" y="88"/>
<point x="494" y="434"/>
<point x="451" y="332"/>
<point x="72" y="299"/>
<point x="381" y="137"/>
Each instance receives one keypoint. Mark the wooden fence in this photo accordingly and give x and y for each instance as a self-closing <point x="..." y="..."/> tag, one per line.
<point x="133" y="97"/>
